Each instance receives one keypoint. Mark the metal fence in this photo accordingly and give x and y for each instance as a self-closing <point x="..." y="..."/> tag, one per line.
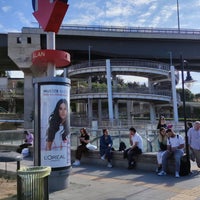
<point x="128" y="29"/>
<point x="149" y="135"/>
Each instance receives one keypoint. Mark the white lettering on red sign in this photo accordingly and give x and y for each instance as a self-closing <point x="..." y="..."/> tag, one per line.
<point x="39" y="54"/>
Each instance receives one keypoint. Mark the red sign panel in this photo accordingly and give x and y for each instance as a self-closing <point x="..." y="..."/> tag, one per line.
<point x="56" y="57"/>
<point x="50" y="15"/>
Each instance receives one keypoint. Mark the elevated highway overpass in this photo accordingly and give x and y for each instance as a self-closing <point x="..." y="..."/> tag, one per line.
<point x="91" y="43"/>
<point x="103" y="42"/>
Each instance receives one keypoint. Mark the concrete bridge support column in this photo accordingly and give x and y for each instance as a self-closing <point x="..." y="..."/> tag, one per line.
<point x="174" y="95"/>
<point x="109" y="89"/>
<point x="20" y="48"/>
<point x="152" y="113"/>
<point x="129" y="105"/>
<point x="141" y="109"/>
<point x="116" y="109"/>
<point x="99" y="110"/>
<point x="90" y="111"/>
<point x="28" y="100"/>
<point x="90" y="82"/>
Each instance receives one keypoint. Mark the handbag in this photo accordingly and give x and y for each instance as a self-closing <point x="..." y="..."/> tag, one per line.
<point x="91" y="146"/>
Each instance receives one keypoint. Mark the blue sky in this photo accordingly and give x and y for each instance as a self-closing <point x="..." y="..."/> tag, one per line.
<point x="15" y="14"/>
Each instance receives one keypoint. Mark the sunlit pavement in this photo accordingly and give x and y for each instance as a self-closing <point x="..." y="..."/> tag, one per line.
<point x="89" y="182"/>
<point x="102" y="183"/>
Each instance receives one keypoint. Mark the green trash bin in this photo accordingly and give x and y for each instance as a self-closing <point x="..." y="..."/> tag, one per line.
<point x="32" y="183"/>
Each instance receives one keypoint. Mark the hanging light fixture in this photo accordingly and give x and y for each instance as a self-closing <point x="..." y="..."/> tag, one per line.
<point x="189" y="80"/>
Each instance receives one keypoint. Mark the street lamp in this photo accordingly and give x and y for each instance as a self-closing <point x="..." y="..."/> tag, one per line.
<point x="89" y="55"/>
<point x="177" y="4"/>
<point x="188" y="80"/>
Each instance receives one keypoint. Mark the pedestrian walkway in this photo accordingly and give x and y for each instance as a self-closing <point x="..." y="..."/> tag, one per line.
<point x="94" y="182"/>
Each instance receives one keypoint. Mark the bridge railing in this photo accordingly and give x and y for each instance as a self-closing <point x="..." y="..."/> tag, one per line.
<point x="149" y="136"/>
<point x="131" y="29"/>
<point x="122" y="63"/>
<point x="127" y="90"/>
<point x="6" y="93"/>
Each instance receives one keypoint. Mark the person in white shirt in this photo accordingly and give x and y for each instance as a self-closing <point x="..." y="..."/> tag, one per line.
<point x="194" y="141"/>
<point x="175" y="148"/>
<point x="136" y="148"/>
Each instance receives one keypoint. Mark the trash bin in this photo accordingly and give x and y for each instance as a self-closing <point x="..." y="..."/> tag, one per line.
<point x="32" y="183"/>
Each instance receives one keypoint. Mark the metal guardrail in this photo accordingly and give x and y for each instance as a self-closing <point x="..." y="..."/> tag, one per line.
<point x="150" y="138"/>
<point x="122" y="63"/>
<point x="120" y="29"/>
<point x="6" y="93"/>
<point x="11" y="137"/>
<point x="130" y="29"/>
<point x="121" y="90"/>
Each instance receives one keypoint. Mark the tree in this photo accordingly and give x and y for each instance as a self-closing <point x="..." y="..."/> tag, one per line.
<point x="189" y="96"/>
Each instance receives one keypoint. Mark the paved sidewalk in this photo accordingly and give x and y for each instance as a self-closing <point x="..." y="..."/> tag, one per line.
<point x="102" y="183"/>
<point x="99" y="183"/>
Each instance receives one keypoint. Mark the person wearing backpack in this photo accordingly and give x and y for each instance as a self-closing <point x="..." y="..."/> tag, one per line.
<point x="175" y="148"/>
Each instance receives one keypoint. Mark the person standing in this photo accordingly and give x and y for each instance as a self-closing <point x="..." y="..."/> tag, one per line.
<point x="136" y="148"/>
<point x="162" y="142"/>
<point x="106" y="147"/>
<point x="175" y="148"/>
<point x="194" y="141"/>
<point x="84" y="140"/>
<point x="161" y="123"/>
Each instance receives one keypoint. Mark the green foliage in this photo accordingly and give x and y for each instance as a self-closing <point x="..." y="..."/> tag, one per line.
<point x="197" y="96"/>
<point x="189" y="96"/>
<point x="99" y="86"/>
<point x="20" y="84"/>
<point x="3" y="73"/>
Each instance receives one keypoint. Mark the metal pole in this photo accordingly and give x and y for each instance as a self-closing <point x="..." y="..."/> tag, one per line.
<point x="51" y="44"/>
<point x="174" y="95"/>
<point x="89" y="55"/>
<point x="109" y="88"/>
<point x="184" y="111"/>
<point x="177" y="2"/>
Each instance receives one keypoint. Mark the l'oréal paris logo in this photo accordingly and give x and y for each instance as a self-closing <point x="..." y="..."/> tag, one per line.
<point x="54" y="157"/>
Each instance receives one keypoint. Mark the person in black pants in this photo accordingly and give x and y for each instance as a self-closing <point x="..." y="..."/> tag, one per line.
<point x="106" y="147"/>
<point x="84" y="140"/>
<point x="136" y="143"/>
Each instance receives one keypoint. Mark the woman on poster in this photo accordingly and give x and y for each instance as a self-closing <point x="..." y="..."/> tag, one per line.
<point x="58" y="129"/>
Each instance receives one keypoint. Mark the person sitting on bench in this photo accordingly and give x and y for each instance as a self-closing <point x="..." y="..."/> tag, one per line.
<point x="27" y="142"/>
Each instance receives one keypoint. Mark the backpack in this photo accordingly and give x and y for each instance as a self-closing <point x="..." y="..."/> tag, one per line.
<point x="122" y="146"/>
<point x="184" y="166"/>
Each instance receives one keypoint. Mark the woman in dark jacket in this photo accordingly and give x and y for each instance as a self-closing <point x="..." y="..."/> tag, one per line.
<point x="106" y="147"/>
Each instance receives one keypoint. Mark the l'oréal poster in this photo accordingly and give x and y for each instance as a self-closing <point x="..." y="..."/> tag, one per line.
<point x="54" y="126"/>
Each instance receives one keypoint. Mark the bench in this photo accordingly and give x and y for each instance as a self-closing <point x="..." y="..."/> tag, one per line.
<point x="13" y="147"/>
<point x="146" y="161"/>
